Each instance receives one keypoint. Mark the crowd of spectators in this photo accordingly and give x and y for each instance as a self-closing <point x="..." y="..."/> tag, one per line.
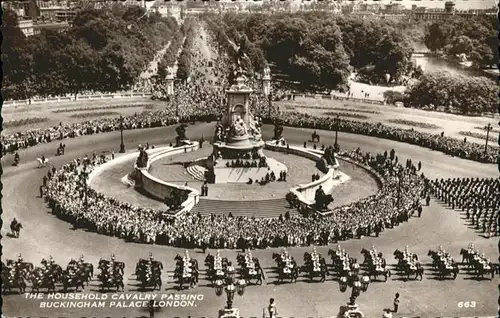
<point x="210" y="109"/>
<point x="202" y="98"/>
<point x="398" y="198"/>
<point x="447" y="145"/>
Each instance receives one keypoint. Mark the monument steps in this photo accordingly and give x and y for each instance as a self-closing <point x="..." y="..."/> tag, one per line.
<point x="197" y="172"/>
<point x="258" y="208"/>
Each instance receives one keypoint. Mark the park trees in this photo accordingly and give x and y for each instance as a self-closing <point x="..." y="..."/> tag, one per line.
<point x="475" y="38"/>
<point x="102" y="51"/>
<point x="457" y="93"/>
<point x="313" y="50"/>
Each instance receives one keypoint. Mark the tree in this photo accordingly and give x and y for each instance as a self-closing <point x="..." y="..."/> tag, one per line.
<point x="13" y="50"/>
<point x="459" y="45"/>
<point x="467" y="95"/>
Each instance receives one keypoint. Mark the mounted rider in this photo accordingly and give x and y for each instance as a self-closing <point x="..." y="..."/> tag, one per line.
<point x="19" y="261"/>
<point x="13" y="224"/>
<point x="81" y="260"/>
<point x="16" y="158"/>
<point x="51" y="261"/>
<point x="45" y="266"/>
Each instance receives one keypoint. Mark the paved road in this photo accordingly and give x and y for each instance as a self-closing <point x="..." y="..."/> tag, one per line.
<point x="46" y="235"/>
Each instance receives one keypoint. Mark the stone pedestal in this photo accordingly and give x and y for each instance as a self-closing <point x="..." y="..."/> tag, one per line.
<point x="182" y="142"/>
<point x="266" y="85"/>
<point x="350" y="310"/>
<point x="170" y="84"/>
<point x="229" y="313"/>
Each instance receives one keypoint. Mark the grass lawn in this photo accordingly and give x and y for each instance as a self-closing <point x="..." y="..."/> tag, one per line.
<point x="421" y="120"/>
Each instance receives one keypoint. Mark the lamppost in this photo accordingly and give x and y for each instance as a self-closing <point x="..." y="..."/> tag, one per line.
<point x="337" y="121"/>
<point x="498" y="155"/>
<point x="122" y="145"/>
<point x="230" y="288"/>
<point x="270" y="99"/>
<point x="357" y="284"/>
<point x="488" y="129"/>
<point x="84" y="174"/>
<point x="266" y="87"/>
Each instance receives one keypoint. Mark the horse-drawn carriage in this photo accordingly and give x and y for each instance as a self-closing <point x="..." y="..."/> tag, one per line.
<point x="408" y="264"/>
<point x="478" y="263"/>
<point x="375" y="263"/>
<point x="111" y="275"/>
<point x="250" y="268"/>
<point x="443" y="263"/>
<point x="148" y="272"/>
<point x="186" y="270"/>
<point x="287" y="267"/>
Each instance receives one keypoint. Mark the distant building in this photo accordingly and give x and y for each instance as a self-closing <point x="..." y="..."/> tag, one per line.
<point x="169" y="9"/>
<point x="37" y="28"/>
<point x="26" y="25"/>
<point x="57" y="11"/>
<point x="364" y="14"/>
<point x="130" y="3"/>
<point x="424" y="14"/>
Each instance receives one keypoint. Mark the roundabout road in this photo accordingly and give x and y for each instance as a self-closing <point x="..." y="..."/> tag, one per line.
<point x="45" y="235"/>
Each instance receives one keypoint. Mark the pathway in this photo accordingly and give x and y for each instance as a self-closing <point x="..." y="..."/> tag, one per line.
<point x="46" y="235"/>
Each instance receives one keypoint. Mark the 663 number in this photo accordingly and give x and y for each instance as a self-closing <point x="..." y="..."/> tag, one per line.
<point x="466" y="304"/>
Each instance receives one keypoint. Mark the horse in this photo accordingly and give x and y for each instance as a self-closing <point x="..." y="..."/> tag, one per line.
<point x="256" y="274"/>
<point x="435" y="258"/>
<point x="418" y="271"/>
<point x="367" y="256"/>
<point x="77" y="280"/>
<point x="373" y="271"/>
<point x="292" y="274"/>
<point x="444" y="271"/>
<point x="142" y="264"/>
<point x="88" y="269"/>
<point x="399" y="256"/>
<point x="480" y="270"/>
<point x="16" y="282"/>
<point x="115" y="281"/>
<point x="48" y="282"/>
<point x="466" y="257"/>
<point x="314" y="136"/>
<point x="311" y="273"/>
<point x="154" y="281"/>
<point x="192" y="280"/>
<point x="42" y="163"/>
<point x="193" y="261"/>
<point x="16" y="229"/>
<point x="120" y="266"/>
<point x="27" y="266"/>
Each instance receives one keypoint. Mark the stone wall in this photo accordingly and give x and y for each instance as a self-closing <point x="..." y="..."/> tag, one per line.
<point x="160" y="189"/>
<point x="306" y="192"/>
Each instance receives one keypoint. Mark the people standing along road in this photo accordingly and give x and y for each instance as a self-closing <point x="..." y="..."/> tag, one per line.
<point x="109" y="216"/>
<point x="396" y="302"/>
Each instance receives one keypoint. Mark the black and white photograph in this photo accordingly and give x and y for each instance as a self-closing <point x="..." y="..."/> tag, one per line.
<point x="237" y="159"/>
